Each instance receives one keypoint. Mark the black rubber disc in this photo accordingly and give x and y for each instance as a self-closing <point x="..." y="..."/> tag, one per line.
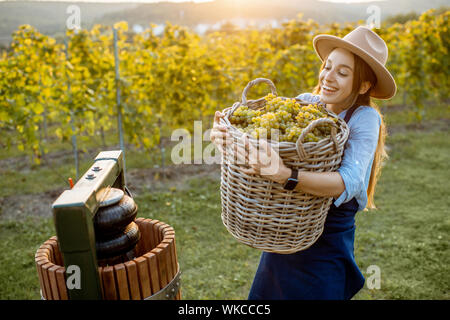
<point x="120" y="243"/>
<point x="113" y="219"/>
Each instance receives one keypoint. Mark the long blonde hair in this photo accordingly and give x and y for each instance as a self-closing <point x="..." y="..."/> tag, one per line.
<point x="364" y="73"/>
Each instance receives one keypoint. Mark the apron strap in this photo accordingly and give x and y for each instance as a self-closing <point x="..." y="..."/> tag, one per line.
<point x="349" y="113"/>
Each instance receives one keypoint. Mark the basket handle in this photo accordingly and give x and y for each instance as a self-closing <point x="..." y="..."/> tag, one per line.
<point x="255" y="82"/>
<point x="301" y="151"/>
<point x="244" y="94"/>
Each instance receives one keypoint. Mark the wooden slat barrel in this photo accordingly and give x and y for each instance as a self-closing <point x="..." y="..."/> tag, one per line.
<point x="155" y="268"/>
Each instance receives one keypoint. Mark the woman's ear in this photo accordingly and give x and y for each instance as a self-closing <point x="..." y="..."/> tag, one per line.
<point x="364" y="87"/>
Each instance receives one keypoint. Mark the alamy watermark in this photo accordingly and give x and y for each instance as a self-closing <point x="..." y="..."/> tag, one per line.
<point x="374" y="280"/>
<point x="374" y="18"/>
<point x="236" y="149"/>
<point x="73" y="21"/>
<point x="73" y="281"/>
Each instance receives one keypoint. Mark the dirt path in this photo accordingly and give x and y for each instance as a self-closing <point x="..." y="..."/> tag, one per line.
<point x="431" y="125"/>
<point x="140" y="181"/>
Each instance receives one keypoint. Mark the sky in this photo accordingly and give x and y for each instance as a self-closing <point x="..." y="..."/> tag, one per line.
<point x="123" y="1"/>
<point x="350" y="1"/>
<point x="152" y="1"/>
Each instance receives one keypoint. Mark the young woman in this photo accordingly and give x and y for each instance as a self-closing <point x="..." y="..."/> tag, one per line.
<point x="352" y="72"/>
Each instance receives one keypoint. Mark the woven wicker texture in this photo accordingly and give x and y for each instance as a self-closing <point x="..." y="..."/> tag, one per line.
<point x="261" y="213"/>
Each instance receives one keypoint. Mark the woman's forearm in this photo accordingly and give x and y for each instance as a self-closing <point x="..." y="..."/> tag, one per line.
<point x="322" y="184"/>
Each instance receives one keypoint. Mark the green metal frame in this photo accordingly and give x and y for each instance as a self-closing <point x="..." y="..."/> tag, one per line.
<point x="73" y="213"/>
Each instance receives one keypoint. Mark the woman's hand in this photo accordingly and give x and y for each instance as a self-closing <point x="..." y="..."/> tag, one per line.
<point x="219" y="135"/>
<point x="263" y="160"/>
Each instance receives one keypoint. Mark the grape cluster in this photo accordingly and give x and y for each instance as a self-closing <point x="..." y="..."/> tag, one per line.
<point x="281" y="120"/>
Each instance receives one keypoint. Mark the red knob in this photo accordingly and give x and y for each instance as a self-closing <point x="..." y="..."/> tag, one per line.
<point x="71" y="183"/>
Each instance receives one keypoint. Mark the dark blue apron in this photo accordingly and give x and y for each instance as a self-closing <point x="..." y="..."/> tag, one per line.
<point x="325" y="271"/>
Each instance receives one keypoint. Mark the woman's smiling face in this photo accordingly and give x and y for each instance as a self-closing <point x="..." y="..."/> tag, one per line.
<point x="336" y="78"/>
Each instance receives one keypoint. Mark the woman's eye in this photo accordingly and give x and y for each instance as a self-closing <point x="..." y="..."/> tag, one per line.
<point x="340" y="73"/>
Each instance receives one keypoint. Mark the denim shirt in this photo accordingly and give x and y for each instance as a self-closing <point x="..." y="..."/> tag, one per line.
<point x="359" y="151"/>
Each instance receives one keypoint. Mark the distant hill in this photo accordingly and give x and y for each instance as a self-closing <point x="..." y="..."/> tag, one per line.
<point x="50" y="17"/>
<point x="321" y="11"/>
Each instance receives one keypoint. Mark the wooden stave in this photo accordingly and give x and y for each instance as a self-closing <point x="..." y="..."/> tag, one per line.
<point x="163" y="252"/>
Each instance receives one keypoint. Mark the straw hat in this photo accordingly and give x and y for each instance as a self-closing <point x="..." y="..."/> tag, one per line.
<point x="370" y="47"/>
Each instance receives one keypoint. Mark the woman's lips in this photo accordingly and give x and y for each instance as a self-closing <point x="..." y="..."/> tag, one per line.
<point x="328" y="90"/>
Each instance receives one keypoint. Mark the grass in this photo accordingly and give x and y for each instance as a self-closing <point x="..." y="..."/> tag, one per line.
<point x="407" y="237"/>
<point x="405" y="115"/>
<point x="19" y="241"/>
<point x="214" y="265"/>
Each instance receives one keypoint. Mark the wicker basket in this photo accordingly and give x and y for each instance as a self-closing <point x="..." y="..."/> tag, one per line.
<point x="259" y="212"/>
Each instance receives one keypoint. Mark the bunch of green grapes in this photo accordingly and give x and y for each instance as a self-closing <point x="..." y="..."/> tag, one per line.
<point x="281" y="120"/>
<point x="242" y="116"/>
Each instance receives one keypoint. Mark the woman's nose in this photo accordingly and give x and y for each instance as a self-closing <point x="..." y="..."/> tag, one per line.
<point x="329" y="77"/>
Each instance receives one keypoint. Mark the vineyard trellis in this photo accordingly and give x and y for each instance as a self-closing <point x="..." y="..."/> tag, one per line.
<point x="179" y="76"/>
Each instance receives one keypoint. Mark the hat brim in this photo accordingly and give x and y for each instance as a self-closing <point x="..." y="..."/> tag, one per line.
<point x="385" y="87"/>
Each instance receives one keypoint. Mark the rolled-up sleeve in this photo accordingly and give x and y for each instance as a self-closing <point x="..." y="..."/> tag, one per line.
<point x="359" y="153"/>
